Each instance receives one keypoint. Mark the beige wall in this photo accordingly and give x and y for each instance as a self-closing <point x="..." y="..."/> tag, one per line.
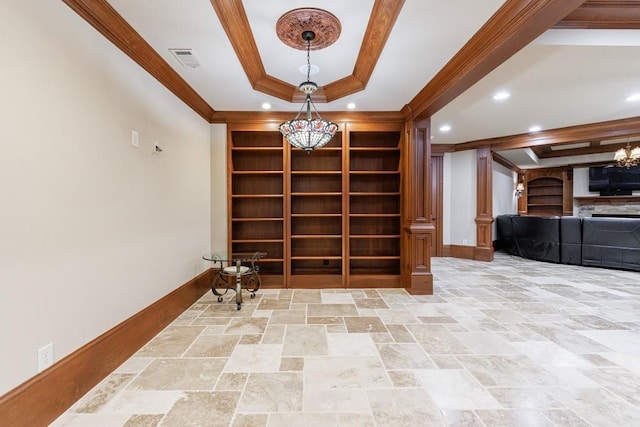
<point x="92" y="230"/>
<point x="459" y="194"/>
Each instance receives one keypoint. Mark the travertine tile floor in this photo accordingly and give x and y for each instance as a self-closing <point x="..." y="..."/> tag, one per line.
<point x="509" y="343"/>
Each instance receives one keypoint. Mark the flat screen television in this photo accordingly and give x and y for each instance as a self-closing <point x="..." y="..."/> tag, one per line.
<point x="614" y="180"/>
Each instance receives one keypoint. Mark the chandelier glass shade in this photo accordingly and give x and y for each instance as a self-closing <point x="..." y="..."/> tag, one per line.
<point x="627" y="157"/>
<point x="307" y="132"/>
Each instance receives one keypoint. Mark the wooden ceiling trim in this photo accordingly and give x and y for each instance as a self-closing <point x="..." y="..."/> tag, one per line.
<point x="610" y="148"/>
<point x="506" y="163"/>
<point x="383" y="17"/>
<point x="236" y="25"/>
<point x="622" y="128"/>
<point x="100" y="15"/>
<point x="277" y="117"/>
<point x="233" y="19"/>
<point x="602" y="14"/>
<point x="513" y="26"/>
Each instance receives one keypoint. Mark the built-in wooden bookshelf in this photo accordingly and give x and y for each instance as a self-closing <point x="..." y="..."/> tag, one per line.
<point x="548" y="192"/>
<point x="374" y="208"/>
<point x="316" y="229"/>
<point x="257" y="205"/>
<point x="329" y="218"/>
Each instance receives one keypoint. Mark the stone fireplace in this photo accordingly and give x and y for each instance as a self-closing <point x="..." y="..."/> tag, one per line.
<point x="614" y="206"/>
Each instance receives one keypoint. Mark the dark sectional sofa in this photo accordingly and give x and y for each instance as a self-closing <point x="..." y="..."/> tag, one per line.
<point x="596" y="242"/>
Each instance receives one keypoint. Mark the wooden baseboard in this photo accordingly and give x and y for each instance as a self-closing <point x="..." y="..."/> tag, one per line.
<point x="459" y="251"/>
<point x="44" y="397"/>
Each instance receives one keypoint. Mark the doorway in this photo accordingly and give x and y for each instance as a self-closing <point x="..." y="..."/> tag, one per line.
<point x="436" y="167"/>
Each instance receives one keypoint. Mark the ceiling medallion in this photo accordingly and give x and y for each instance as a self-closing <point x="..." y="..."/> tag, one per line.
<point x="294" y="23"/>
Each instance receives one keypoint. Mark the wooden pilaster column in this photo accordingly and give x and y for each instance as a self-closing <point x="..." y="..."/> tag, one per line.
<point x="484" y="205"/>
<point x="417" y="230"/>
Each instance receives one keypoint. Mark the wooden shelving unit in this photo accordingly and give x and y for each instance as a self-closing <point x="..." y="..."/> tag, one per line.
<point x="548" y="192"/>
<point x="330" y="218"/>
<point x="315" y="228"/>
<point x="374" y="208"/>
<point x="257" y="208"/>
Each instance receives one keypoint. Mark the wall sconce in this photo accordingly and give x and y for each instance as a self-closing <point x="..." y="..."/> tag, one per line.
<point x="519" y="190"/>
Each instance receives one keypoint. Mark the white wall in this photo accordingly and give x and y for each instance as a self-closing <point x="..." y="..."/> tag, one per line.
<point x="504" y="185"/>
<point x="219" y="188"/>
<point x="92" y="230"/>
<point x="459" y="194"/>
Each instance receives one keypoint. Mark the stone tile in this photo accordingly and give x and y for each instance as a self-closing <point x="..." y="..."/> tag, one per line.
<point x="274" y="334"/>
<point x="456" y="389"/>
<point x="464" y="418"/>
<point x="143" y="402"/>
<point x="144" y="420"/>
<point x="517" y="417"/>
<point x="402" y="379"/>
<point x="364" y="325"/>
<point x="103" y="393"/>
<point x="288" y="317"/>
<point x="437" y="339"/>
<point x="331" y="320"/>
<point x="400" y="333"/>
<point x="305" y="340"/>
<point x="247" y="326"/>
<point x="375" y="303"/>
<point x="344" y="344"/>
<point x="306" y="296"/>
<point x="525" y="397"/>
<point x="339" y="400"/>
<point x="292" y="364"/>
<point x="404" y="407"/>
<point x="232" y="381"/>
<point x="179" y="374"/>
<point x="404" y="356"/>
<point x="274" y="304"/>
<point x="203" y="409"/>
<point x="335" y="372"/>
<point x="507" y="371"/>
<point x="254" y="358"/>
<point x="329" y="310"/>
<point x="250" y="420"/>
<point x="171" y="342"/>
<point x="486" y="343"/>
<point x="213" y="346"/>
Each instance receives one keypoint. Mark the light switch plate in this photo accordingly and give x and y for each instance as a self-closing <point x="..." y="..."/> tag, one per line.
<point x="134" y="139"/>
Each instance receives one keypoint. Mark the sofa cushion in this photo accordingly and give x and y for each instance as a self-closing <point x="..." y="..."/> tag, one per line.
<point x="611" y="242"/>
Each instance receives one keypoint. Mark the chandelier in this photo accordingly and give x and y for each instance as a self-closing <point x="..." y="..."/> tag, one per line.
<point x="308" y="133"/>
<point x="627" y="157"/>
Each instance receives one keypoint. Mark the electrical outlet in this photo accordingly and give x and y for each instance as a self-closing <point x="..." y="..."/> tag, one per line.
<point x="45" y="357"/>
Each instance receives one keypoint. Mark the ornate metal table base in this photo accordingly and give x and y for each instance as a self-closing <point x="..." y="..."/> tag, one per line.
<point x="221" y="285"/>
<point x="246" y="275"/>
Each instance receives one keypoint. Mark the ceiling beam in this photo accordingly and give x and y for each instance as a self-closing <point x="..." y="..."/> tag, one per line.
<point x="512" y="27"/>
<point x="104" y="18"/>
<point x="622" y="128"/>
<point x="604" y="14"/>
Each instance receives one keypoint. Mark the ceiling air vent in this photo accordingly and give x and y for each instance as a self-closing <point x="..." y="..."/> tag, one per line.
<point x="186" y="57"/>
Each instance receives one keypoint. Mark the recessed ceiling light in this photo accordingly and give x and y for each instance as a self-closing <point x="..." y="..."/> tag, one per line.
<point x="535" y="128"/>
<point x="351" y="106"/>
<point x="500" y="96"/>
<point x="633" y="97"/>
<point x="445" y="128"/>
<point x="266" y="106"/>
